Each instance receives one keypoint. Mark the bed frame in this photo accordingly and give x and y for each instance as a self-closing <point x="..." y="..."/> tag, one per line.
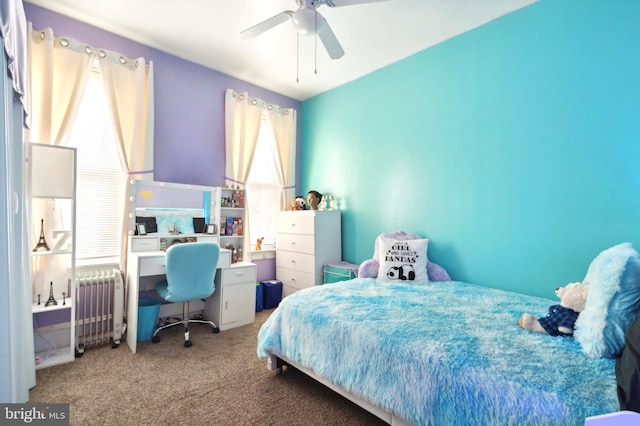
<point x="277" y="362"/>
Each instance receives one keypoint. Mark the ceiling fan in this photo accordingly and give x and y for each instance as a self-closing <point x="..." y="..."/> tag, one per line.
<point x="308" y="21"/>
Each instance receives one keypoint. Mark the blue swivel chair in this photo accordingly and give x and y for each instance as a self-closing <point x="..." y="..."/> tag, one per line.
<point x="190" y="273"/>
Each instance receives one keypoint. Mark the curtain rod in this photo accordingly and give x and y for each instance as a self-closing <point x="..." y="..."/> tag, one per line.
<point x="78" y="46"/>
<point x="263" y="104"/>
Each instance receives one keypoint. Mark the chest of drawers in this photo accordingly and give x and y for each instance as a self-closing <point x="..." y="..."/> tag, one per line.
<point x="305" y="240"/>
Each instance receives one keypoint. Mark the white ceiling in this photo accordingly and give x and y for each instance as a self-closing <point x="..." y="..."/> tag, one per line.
<point x="207" y="32"/>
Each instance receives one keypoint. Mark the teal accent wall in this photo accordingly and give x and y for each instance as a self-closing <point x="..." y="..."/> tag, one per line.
<point x="513" y="147"/>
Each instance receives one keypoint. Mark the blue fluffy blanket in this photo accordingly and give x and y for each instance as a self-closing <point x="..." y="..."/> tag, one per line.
<point x="440" y="353"/>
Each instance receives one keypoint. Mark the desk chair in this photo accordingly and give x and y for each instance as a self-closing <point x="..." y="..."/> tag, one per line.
<point x="190" y="271"/>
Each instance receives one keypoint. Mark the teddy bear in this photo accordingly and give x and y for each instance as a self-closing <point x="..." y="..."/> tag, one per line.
<point x="561" y="318"/>
<point x="259" y="243"/>
<point x="298" y="203"/>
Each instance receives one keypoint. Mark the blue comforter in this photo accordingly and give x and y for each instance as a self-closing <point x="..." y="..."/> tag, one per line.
<point x="447" y="353"/>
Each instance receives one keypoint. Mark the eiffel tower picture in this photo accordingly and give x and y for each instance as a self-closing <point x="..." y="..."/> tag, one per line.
<point x="42" y="243"/>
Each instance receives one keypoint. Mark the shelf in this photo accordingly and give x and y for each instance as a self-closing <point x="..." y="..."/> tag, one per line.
<point x="53" y="357"/>
<point x="50" y="253"/>
<point x="36" y="309"/>
<point x="52" y="205"/>
<point x="51" y="197"/>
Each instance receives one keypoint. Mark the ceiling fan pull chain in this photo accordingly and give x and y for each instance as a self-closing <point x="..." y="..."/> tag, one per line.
<point x="297" y="58"/>
<point x="315" y="39"/>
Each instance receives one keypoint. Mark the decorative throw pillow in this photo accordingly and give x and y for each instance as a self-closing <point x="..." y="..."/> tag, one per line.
<point x="403" y="259"/>
<point x="613" y="302"/>
<point x="436" y="272"/>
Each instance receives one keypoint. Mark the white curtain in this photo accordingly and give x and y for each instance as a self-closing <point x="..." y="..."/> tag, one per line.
<point x="17" y="369"/>
<point x="13" y="27"/>
<point x="130" y="97"/>
<point x="59" y="70"/>
<point x="243" y="117"/>
<point x="283" y="123"/>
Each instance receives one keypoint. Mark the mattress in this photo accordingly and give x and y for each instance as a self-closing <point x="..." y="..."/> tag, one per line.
<point x="440" y="353"/>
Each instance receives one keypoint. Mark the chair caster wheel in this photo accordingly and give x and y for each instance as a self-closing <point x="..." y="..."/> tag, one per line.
<point x="216" y="329"/>
<point x="188" y="343"/>
<point x="155" y="339"/>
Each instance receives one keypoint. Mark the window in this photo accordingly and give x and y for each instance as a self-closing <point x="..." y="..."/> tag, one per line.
<point x="263" y="188"/>
<point x="100" y="179"/>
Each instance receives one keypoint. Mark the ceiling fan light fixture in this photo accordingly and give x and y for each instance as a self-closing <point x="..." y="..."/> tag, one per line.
<point x="304" y="21"/>
<point x="307" y="21"/>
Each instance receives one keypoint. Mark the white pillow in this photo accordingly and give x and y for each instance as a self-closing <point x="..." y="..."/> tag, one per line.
<point x="404" y="260"/>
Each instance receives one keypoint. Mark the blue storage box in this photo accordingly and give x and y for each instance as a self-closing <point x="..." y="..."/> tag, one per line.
<point x="259" y="296"/>
<point x="272" y="293"/>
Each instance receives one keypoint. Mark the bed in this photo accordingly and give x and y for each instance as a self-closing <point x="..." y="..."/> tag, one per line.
<point x="442" y="353"/>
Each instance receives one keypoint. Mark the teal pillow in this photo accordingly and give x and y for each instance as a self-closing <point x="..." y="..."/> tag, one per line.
<point x="613" y="302"/>
<point x="184" y="223"/>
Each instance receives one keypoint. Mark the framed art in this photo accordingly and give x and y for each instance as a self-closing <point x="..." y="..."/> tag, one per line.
<point x="210" y="228"/>
<point x="142" y="229"/>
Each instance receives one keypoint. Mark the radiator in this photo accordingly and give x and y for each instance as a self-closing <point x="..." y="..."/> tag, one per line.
<point x="99" y="308"/>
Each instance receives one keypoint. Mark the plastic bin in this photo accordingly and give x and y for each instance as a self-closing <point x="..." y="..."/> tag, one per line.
<point x="339" y="271"/>
<point x="259" y="296"/>
<point x="272" y="290"/>
<point x="148" y="310"/>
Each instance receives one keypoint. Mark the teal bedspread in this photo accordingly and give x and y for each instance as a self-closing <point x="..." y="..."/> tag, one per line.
<point x="447" y="353"/>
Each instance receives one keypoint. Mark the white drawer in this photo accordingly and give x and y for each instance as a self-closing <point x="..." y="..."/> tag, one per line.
<point x="295" y="279"/>
<point x="296" y="261"/>
<point x="296" y="243"/>
<point x="286" y="290"/>
<point x="208" y="238"/>
<point x="152" y="266"/>
<point x="293" y="223"/>
<point x="239" y="274"/>
<point x="144" y="244"/>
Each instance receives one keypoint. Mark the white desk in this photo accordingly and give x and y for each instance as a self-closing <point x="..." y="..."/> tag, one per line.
<point x="143" y="269"/>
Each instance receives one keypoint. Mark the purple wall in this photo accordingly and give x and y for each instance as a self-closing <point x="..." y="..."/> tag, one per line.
<point x="189" y="102"/>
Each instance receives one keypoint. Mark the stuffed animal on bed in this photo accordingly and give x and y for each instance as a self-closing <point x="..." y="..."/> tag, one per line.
<point x="369" y="268"/>
<point x="561" y="318"/>
<point x="298" y="203"/>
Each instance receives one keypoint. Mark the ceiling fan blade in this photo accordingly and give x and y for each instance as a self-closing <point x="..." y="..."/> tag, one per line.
<point x="330" y="42"/>
<point x="340" y="3"/>
<point x="264" y="26"/>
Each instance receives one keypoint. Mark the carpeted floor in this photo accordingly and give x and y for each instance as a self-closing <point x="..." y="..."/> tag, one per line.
<point x="218" y="381"/>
